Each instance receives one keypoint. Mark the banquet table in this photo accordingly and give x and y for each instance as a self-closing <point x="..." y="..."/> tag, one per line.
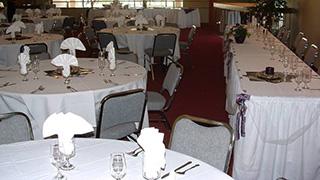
<point x="31" y="160"/>
<point x="138" y="41"/>
<point x="9" y="50"/>
<point x="56" y="97"/>
<point x="280" y="133"/>
<point x="48" y="21"/>
<point x="182" y="18"/>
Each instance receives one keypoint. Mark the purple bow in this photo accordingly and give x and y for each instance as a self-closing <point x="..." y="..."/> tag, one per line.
<point x="241" y="118"/>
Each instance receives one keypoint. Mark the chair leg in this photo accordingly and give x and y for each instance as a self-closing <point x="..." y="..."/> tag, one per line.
<point x="165" y="120"/>
<point x="152" y="73"/>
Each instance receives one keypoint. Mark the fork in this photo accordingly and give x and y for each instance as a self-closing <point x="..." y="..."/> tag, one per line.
<point x="183" y="172"/>
<point x="135" y="153"/>
<point x="132" y="152"/>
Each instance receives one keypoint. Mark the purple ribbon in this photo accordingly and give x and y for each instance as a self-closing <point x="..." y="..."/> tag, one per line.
<point x="241" y="118"/>
<point x="229" y="60"/>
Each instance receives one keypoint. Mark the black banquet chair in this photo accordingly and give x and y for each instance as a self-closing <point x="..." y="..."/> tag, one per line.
<point x="38" y="49"/>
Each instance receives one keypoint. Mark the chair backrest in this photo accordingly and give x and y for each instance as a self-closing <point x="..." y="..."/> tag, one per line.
<point x="105" y="38"/>
<point x="119" y="114"/>
<point x="38" y="49"/>
<point x="68" y="22"/>
<point x="164" y="41"/>
<point x="311" y="54"/>
<point x="172" y="78"/>
<point x="191" y="34"/>
<point x="285" y="37"/>
<point x="208" y="140"/>
<point x="128" y="57"/>
<point x="98" y="25"/>
<point x="298" y="38"/>
<point x="15" y="127"/>
<point x="89" y="32"/>
<point x="301" y="48"/>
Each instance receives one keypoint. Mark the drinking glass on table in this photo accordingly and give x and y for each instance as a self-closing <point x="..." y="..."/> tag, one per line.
<point x="57" y="159"/>
<point x="101" y="62"/>
<point x="272" y="51"/>
<point x="298" y="79"/>
<point x="306" y="77"/>
<point x="67" y="166"/>
<point x="35" y="67"/>
<point x="285" y="64"/>
<point x="118" y="165"/>
<point x="293" y="64"/>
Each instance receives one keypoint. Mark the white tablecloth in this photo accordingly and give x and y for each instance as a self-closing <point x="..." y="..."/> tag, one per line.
<point x="9" y="51"/>
<point x="57" y="98"/>
<point x="31" y="160"/>
<point x="177" y="16"/>
<point x="48" y="21"/>
<point x="282" y="125"/>
<point x="138" y="41"/>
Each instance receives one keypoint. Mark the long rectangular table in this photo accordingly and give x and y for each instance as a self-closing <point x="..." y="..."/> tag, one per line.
<point x="281" y="129"/>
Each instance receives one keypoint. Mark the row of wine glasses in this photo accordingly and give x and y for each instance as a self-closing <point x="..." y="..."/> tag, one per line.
<point x="304" y="76"/>
<point x="102" y="63"/>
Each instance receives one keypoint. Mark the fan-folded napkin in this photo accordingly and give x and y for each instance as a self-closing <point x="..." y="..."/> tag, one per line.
<point x="58" y="11"/>
<point x="29" y="12"/>
<point x="151" y="140"/>
<point x="72" y="44"/>
<point x="39" y="28"/>
<point x="140" y="20"/>
<point x="50" y="12"/>
<point x="111" y="55"/>
<point x="65" y="126"/>
<point x="24" y="59"/>
<point x="15" y="27"/>
<point x="16" y="17"/>
<point x="65" y="60"/>
<point x="160" y="20"/>
<point x="37" y="12"/>
<point x="2" y="17"/>
<point x="120" y="20"/>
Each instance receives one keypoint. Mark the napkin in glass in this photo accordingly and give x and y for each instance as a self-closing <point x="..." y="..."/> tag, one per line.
<point x="24" y="59"/>
<point x="111" y="55"/>
<point x="160" y="20"/>
<point x="72" y="44"/>
<point x="65" y="60"/>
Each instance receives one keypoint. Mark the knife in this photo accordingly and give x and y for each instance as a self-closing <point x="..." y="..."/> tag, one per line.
<point x="177" y="169"/>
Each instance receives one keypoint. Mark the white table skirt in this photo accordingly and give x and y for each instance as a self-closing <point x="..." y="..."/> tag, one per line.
<point x="57" y="98"/>
<point x="177" y="16"/>
<point x="9" y="51"/>
<point x="138" y="41"/>
<point x="31" y="160"/>
<point x="282" y="125"/>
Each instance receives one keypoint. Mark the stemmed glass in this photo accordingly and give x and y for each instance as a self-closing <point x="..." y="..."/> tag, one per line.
<point x="57" y="159"/>
<point x="118" y="165"/>
<point x="35" y="67"/>
<point x="293" y="64"/>
<point x="67" y="166"/>
<point x="306" y="77"/>
<point x="272" y="51"/>
<point x="298" y="79"/>
<point x="112" y="69"/>
<point x="285" y="63"/>
<point x="101" y="62"/>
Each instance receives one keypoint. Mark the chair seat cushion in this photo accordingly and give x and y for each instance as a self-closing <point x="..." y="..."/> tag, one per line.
<point x="155" y="101"/>
<point x="158" y="53"/>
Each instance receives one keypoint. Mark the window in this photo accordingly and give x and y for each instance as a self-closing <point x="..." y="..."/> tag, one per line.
<point x="130" y="3"/>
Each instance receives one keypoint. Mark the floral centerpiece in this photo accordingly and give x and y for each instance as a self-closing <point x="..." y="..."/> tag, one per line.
<point x="239" y="33"/>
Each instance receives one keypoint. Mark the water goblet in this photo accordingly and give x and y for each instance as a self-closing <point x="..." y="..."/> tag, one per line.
<point x="112" y="67"/>
<point x="272" y="52"/>
<point x="101" y="62"/>
<point x="118" y="165"/>
<point x="67" y="166"/>
<point x="306" y="77"/>
<point x="57" y="160"/>
<point x="293" y="64"/>
<point x="285" y="64"/>
<point x="298" y="79"/>
<point x="35" y="67"/>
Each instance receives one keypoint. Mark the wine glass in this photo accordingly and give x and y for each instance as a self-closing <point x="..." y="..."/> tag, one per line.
<point x="285" y="64"/>
<point x="67" y="166"/>
<point x="57" y="160"/>
<point x="112" y="67"/>
<point x="272" y="52"/>
<point x="293" y="64"/>
<point x="298" y="79"/>
<point x="118" y="165"/>
<point x="101" y="62"/>
<point x="306" y="77"/>
<point x="35" y="67"/>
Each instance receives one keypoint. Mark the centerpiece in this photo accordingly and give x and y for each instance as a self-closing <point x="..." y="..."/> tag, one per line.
<point x="239" y="33"/>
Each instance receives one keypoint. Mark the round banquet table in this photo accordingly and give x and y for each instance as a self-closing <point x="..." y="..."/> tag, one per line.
<point x="56" y="97"/>
<point x="9" y="50"/>
<point x="48" y="21"/>
<point x="31" y="160"/>
<point x="138" y="41"/>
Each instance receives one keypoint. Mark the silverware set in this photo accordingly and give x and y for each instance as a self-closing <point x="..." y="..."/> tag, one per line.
<point x="135" y="152"/>
<point x="180" y="167"/>
<point x="7" y="84"/>
<point x="108" y="81"/>
<point x="72" y="89"/>
<point x="40" y="88"/>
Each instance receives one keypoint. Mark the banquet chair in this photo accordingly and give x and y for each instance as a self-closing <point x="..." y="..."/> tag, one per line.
<point x="128" y="57"/>
<point x="285" y="37"/>
<point x="163" y="47"/>
<point x="15" y="127"/>
<point x="311" y="55"/>
<point x="157" y="101"/>
<point x="185" y="45"/>
<point x="98" y="25"/>
<point x="91" y="39"/>
<point x="298" y="38"/>
<point x="121" y="114"/>
<point x="301" y="47"/>
<point x="105" y="38"/>
<point x="208" y="140"/>
<point x="38" y="49"/>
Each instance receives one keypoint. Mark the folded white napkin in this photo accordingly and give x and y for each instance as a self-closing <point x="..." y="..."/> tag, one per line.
<point x="24" y="59"/>
<point x="65" y="60"/>
<point x="65" y="126"/>
<point x="38" y="28"/>
<point x="111" y="55"/>
<point x="37" y="12"/>
<point x="154" y="151"/>
<point x="120" y="20"/>
<point x="15" y="27"/>
<point x="58" y="11"/>
<point x="140" y="20"/>
<point x="160" y="20"/>
<point x="16" y="17"/>
<point x="2" y="17"/>
<point x="72" y="44"/>
<point x="50" y="11"/>
<point x="29" y="12"/>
